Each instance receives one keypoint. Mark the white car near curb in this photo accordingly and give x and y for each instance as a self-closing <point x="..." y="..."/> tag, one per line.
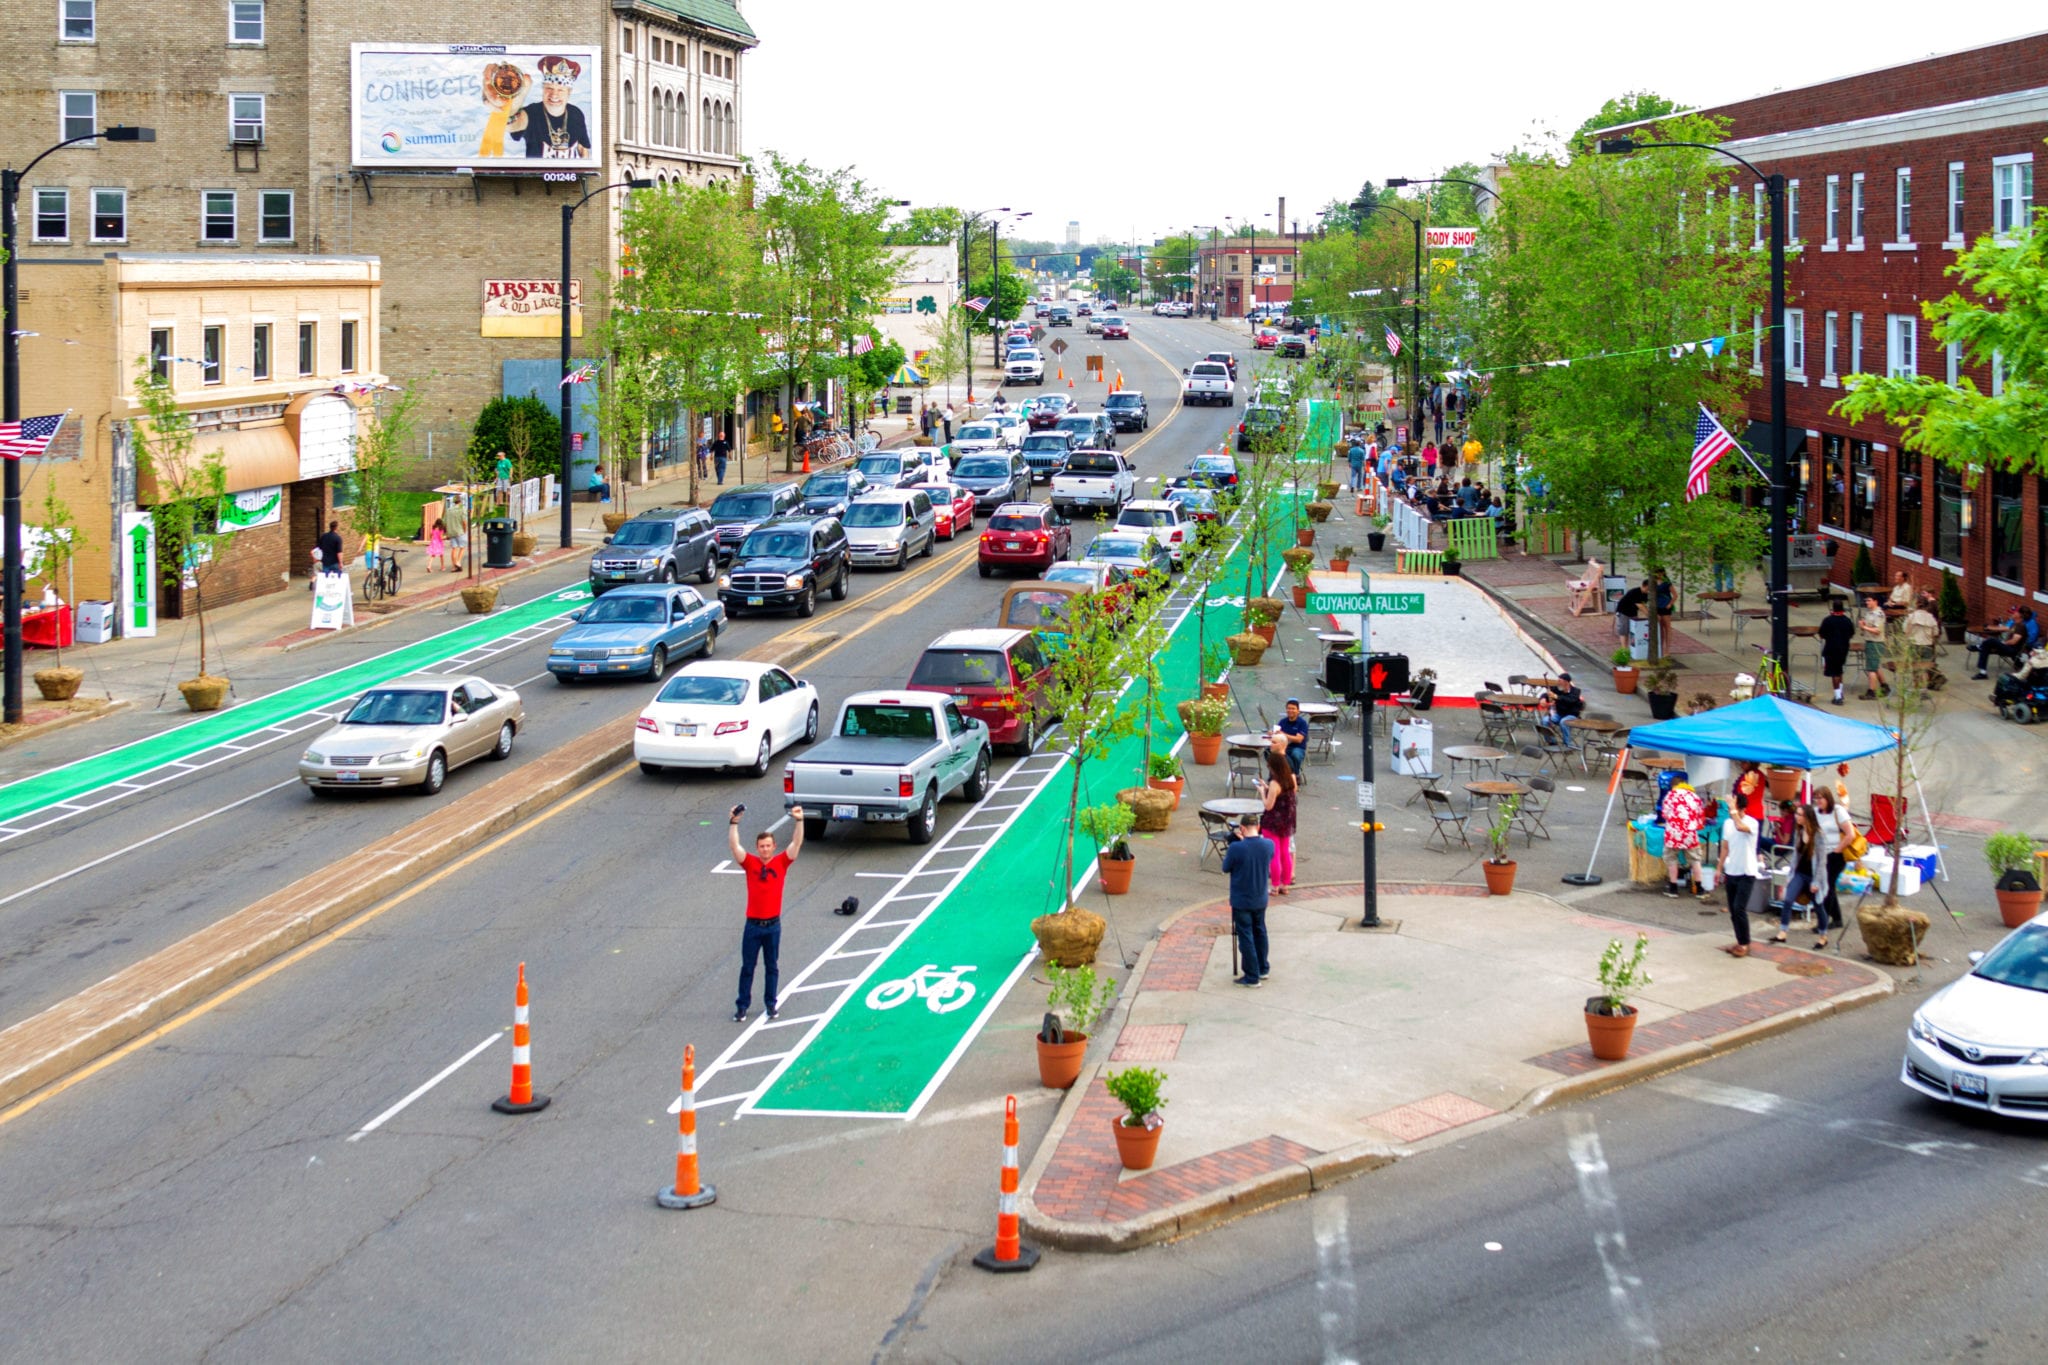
<point x="1982" y="1040"/>
<point x="720" y="713"/>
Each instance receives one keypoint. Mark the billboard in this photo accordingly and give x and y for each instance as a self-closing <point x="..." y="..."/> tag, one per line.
<point x="530" y="308"/>
<point x="485" y="107"/>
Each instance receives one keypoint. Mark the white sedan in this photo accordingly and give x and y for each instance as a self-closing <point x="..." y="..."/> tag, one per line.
<point x="1982" y="1041"/>
<point x="725" y="714"/>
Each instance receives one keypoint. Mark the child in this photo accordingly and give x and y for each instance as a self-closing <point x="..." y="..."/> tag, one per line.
<point x="437" y="545"/>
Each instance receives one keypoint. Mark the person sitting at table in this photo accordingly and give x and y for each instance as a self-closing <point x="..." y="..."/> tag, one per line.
<point x="1294" y="726"/>
<point x="1568" y="703"/>
<point x="1902" y="591"/>
<point x="2009" y="640"/>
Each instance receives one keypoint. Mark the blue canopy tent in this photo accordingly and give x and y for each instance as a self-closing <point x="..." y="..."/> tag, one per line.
<point x="1766" y="730"/>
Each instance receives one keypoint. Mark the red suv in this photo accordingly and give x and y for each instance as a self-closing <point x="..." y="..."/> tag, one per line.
<point x="1023" y="535"/>
<point x="999" y="676"/>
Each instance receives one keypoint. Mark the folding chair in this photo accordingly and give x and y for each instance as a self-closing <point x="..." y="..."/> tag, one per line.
<point x="1606" y="748"/>
<point x="1443" y="814"/>
<point x="1247" y="767"/>
<point x="1493" y="687"/>
<point x="1529" y="815"/>
<point x="1538" y="756"/>
<point x="1555" y="745"/>
<point x="1638" y="792"/>
<point x="1494" y="725"/>
<point x="1215" y="837"/>
<point x="1322" y="734"/>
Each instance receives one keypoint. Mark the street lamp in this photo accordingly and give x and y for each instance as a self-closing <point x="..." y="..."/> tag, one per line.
<point x="10" y="398"/>
<point x="994" y="279"/>
<point x="1360" y="208"/>
<point x="568" y="222"/>
<point x="1402" y="182"/>
<point x="1781" y="625"/>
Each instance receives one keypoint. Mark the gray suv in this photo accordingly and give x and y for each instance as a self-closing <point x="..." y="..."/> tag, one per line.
<point x="737" y="511"/>
<point x="994" y="477"/>
<point x="663" y="546"/>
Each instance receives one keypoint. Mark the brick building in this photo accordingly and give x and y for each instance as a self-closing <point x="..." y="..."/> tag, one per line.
<point x="1890" y="175"/>
<point x="1238" y="274"/>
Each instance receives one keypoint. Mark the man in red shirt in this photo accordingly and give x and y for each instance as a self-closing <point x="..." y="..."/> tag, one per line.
<point x="766" y="871"/>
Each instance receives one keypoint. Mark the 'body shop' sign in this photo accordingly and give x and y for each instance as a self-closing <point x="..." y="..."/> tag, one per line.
<point x="530" y="308"/>
<point x="1461" y="238"/>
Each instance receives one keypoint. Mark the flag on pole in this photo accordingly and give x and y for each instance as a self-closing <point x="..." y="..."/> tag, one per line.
<point x="1393" y="342"/>
<point x="27" y="438"/>
<point x="863" y="344"/>
<point x="582" y="374"/>
<point x="978" y="304"/>
<point x="1712" y="442"/>
<point x="1614" y="778"/>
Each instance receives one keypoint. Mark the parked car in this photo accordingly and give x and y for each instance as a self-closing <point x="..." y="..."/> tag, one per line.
<point x="998" y="676"/>
<point x="1196" y="504"/>
<point x="739" y="510"/>
<point x="1045" y="454"/>
<point x="892" y="756"/>
<point x="1023" y="535"/>
<point x="784" y="564"/>
<point x="1160" y="516"/>
<point x="661" y="546"/>
<point x="412" y="731"/>
<point x="1982" y="1040"/>
<point x="1264" y="339"/>
<point x="1262" y="423"/>
<point x="1115" y="329"/>
<point x="1213" y="471"/>
<point x="727" y="713"/>
<point x="826" y="493"/>
<point x="994" y="477"/>
<point x="635" y="630"/>
<point x="1138" y="554"/>
<point x="952" y="509"/>
<point x="885" y="529"/>
<point x="1127" y="411"/>
<point x="1046" y="409"/>
<point x="1292" y="346"/>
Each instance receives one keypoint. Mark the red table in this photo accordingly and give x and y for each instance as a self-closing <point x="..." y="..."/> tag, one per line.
<point x="50" y="627"/>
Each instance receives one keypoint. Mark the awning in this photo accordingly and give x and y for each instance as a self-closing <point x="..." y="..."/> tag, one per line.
<point x="1766" y="730"/>
<point x="255" y="457"/>
<point x="907" y="374"/>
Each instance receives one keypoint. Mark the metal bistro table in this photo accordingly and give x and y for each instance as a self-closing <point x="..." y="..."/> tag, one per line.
<point x="1475" y="756"/>
<point x="1249" y="739"/>
<point x="1484" y="794"/>
<point x="1232" y="807"/>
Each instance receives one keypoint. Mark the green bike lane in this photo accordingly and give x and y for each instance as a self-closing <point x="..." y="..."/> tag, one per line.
<point x="48" y="793"/>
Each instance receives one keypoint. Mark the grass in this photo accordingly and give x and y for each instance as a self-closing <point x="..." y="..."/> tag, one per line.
<point x="402" y="513"/>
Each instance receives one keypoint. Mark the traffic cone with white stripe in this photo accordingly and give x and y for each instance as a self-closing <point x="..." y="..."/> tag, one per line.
<point x="1009" y="1254"/>
<point x="521" y="1099"/>
<point x="688" y="1192"/>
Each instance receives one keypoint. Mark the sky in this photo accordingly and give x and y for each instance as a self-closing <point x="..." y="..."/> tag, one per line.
<point x="1143" y="117"/>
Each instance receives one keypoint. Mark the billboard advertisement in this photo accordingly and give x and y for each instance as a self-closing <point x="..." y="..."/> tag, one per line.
<point x="485" y="107"/>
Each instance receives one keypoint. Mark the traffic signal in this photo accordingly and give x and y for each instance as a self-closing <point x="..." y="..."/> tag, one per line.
<point x="1386" y="675"/>
<point x="1344" y="675"/>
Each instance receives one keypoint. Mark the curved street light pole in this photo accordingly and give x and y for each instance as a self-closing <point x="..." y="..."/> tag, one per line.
<point x="1361" y="208"/>
<point x="568" y="221"/>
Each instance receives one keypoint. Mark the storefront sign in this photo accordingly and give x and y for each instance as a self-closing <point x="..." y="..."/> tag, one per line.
<point x="327" y="436"/>
<point x="251" y="508"/>
<point x="1459" y="238"/>
<point x="138" y="574"/>
<point x="334" y="601"/>
<point x="485" y="107"/>
<point x="530" y="308"/>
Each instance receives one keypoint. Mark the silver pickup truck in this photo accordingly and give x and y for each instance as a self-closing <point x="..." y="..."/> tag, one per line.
<point x="891" y="757"/>
<point x="1208" y="381"/>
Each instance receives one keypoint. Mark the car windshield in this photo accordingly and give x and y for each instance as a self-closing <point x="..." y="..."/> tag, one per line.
<point x="875" y="514"/>
<point x="1194" y="498"/>
<point x="1070" y="573"/>
<point x="1145" y="516"/>
<point x="704" y="691"/>
<point x="740" y="507"/>
<point x="1112" y="322"/>
<point x="825" y="485"/>
<point x="889" y="722"/>
<point x="882" y="466"/>
<point x="982" y="467"/>
<point x="1116" y="547"/>
<point x="1077" y="422"/>
<point x="1261" y="417"/>
<point x="979" y="431"/>
<point x="2021" y="960"/>
<point x="776" y="545"/>
<point x="961" y="668"/>
<point x="1044" y="442"/>
<point x="1014" y="521"/>
<point x="1210" y="369"/>
<point x="398" y="707"/>
<point x="644" y="533"/>
<point x="1086" y="463"/>
<point x="1037" y="608"/>
<point x="1215" y="464"/>
<point x="1124" y="400"/>
<point x="616" y="610"/>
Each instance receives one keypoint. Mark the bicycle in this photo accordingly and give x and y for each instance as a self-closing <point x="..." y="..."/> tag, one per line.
<point x="383" y="578"/>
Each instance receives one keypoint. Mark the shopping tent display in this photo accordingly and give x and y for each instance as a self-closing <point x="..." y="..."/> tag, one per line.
<point x="1766" y="730"/>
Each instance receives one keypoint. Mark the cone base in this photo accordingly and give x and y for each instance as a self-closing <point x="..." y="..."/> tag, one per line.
<point x="1027" y="1257"/>
<point x="532" y="1106"/>
<point x="669" y="1199"/>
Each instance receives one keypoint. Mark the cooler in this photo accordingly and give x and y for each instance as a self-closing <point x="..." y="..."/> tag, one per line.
<point x="1415" y="735"/>
<point x="1878" y="863"/>
<point x="95" y="622"/>
<point x="1926" y="857"/>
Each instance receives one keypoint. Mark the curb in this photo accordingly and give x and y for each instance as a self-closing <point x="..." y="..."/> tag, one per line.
<point x="50" y="727"/>
<point x="1528" y="620"/>
<point x="415" y="608"/>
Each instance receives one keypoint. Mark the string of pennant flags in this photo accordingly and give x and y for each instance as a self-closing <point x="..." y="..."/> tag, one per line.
<point x="1712" y="347"/>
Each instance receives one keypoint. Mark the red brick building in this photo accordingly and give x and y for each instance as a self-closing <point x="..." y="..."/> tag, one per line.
<point x="1890" y="175"/>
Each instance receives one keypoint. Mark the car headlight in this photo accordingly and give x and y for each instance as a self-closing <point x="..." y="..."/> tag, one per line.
<point x="793" y="582"/>
<point x="2039" y="1057"/>
<point x="392" y="760"/>
<point x="312" y="756"/>
<point x="725" y="580"/>
<point x="1919" y="1029"/>
<point x="627" y="653"/>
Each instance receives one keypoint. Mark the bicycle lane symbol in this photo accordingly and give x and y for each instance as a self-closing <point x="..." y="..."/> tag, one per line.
<point x="942" y="991"/>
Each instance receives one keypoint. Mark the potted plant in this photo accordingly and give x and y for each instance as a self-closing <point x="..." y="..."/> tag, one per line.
<point x="1660" y="684"/>
<point x="1205" y="720"/>
<point x="1865" y="570"/>
<point x="1610" y="1019"/>
<point x="613" y="521"/>
<point x="1499" y="868"/>
<point x="1340" y="558"/>
<point x="1106" y="826"/>
<point x="1299" y="559"/>
<point x="1951" y="608"/>
<point x="1624" y="670"/>
<point x="1151" y="807"/>
<point x="189" y="488"/>
<point x="1326" y="489"/>
<point x="1166" y="776"/>
<point x="1376" y="538"/>
<point x="1453" y="565"/>
<point x="1319" y="511"/>
<point x="1215" y="659"/>
<point x="1247" y="648"/>
<point x="1069" y="937"/>
<point x="1136" y="1088"/>
<point x="1783" y="782"/>
<point x="1075" y="999"/>
<point x="62" y="540"/>
<point x="2018" y="888"/>
<point x="480" y="598"/>
<point x="1265" y="614"/>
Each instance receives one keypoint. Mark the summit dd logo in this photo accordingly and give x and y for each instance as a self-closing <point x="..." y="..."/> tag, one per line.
<point x="392" y="142"/>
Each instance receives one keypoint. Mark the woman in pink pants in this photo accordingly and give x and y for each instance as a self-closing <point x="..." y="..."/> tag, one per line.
<point x="1277" y="823"/>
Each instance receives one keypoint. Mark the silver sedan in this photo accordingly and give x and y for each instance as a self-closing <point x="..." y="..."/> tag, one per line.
<point x="1982" y="1041"/>
<point x="411" y="731"/>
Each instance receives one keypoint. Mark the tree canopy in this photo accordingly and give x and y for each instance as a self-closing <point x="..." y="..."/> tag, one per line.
<point x="1625" y="108"/>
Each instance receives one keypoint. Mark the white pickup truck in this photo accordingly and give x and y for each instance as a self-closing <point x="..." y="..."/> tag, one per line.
<point x="1024" y="367"/>
<point x="1208" y="381"/>
<point x="1093" y="480"/>
<point x="891" y="757"/>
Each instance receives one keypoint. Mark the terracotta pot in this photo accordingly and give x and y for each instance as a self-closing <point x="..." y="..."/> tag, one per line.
<point x="1625" y="680"/>
<point x="2017" y="907"/>
<point x="1152" y="807"/>
<point x="523" y="543"/>
<point x="58" y="684"/>
<point x="1301" y="595"/>
<point x="1069" y="937"/>
<point x="205" y="692"/>
<point x="614" y="520"/>
<point x="480" y="599"/>
<point x="1610" y="1034"/>
<point x="1266" y="630"/>
<point x="1206" y="749"/>
<point x="1340" y="566"/>
<point x="1305" y="536"/>
<point x="1059" y="1064"/>
<point x="1136" y="1147"/>
<point x="1500" y="877"/>
<point x="1220" y="691"/>
<point x="1115" y="874"/>
<point x="1783" y="782"/>
<point x="1172" y="786"/>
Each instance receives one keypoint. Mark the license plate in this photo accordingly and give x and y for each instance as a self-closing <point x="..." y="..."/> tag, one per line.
<point x="686" y="731"/>
<point x="622" y="573"/>
<point x="586" y="668"/>
<point x="348" y="777"/>
<point x="1012" y="545"/>
<point x="755" y="601"/>
<point x="1968" y="1083"/>
<point x="846" y="812"/>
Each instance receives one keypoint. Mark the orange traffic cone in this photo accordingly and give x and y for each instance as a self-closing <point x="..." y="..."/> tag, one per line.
<point x="1119" y="381"/>
<point x="1070" y="383"/>
<point x="807" y="460"/>
<point x="1060" y="372"/>
<point x="521" y="1099"/>
<point x="687" y="1192"/>
<point x="1009" y="1255"/>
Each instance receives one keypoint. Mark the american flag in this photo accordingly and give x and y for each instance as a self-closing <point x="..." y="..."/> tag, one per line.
<point x="978" y="304"/>
<point x="1393" y="342"/>
<point x="863" y="344"/>
<point x="582" y="374"/>
<point x="1711" y="442"/>
<point x="27" y="438"/>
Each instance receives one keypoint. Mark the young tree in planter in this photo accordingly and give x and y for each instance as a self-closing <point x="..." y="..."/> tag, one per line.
<point x="1908" y="712"/>
<point x="383" y="459"/>
<point x="1083" y="697"/>
<point x="62" y="540"/>
<point x="186" y="508"/>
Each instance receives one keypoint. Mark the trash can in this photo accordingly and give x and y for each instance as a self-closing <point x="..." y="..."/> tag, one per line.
<point x="498" y="541"/>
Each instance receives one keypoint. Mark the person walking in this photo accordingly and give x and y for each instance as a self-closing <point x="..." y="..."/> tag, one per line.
<point x="766" y="872"/>
<point x="1870" y="626"/>
<point x="1740" y="867"/>
<point x="1356" y="456"/>
<point x="1248" y="862"/>
<point x="329" y="546"/>
<point x="946" y="420"/>
<point x="721" y="449"/>
<point x="1837" y="832"/>
<point x="703" y="458"/>
<point x="501" y="478"/>
<point x="1279" y="792"/>
<point x="1807" y="868"/>
<point x="437" y="545"/>
<point x="1837" y="633"/>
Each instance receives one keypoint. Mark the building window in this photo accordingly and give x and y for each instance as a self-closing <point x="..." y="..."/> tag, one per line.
<point x="1902" y="337"/>
<point x="1855" y="343"/>
<point x="1998" y="382"/>
<point x="2012" y="192"/>
<point x="1953" y="355"/>
<point x="245" y="118"/>
<point x="1756" y="341"/>
<point x="1862" y="488"/>
<point x="1834" y="481"/>
<point x="78" y="114"/>
<point x="1856" y="209"/>
<point x="348" y="346"/>
<point x="1829" y="327"/>
<point x="53" y="215"/>
<point x="1756" y="217"/>
<point x="704" y="127"/>
<point x="626" y="38"/>
<point x="626" y="106"/>
<point x="160" y="353"/>
<point x="1792" y="213"/>
<point x="78" y="21"/>
<point x="308" y="334"/>
<point x="217" y="215"/>
<point x="110" y="215"/>
<point x="276" y="220"/>
<point x="212" y="340"/>
<point x="2008" y="525"/>
<point x="259" y="351"/>
<point x="1834" y="209"/>
<point x="1902" y="211"/>
<point x="245" y="21"/>
<point x="1906" y="519"/>
<point x="1949" y="497"/>
<point x="1795" y="341"/>
<point x="1955" y="201"/>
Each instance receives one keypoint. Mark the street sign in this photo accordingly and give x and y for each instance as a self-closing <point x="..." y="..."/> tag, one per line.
<point x="1057" y="346"/>
<point x="1371" y="603"/>
<point x="1456" y="238"/>
<point x="1366" y="799"/>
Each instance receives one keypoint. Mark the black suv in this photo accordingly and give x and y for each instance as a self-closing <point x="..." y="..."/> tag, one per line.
<point x="663" y="546"/>
<point x="739" y="510"/>
<point x="1127" y="411"/>
<point x="783" y="564"/>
